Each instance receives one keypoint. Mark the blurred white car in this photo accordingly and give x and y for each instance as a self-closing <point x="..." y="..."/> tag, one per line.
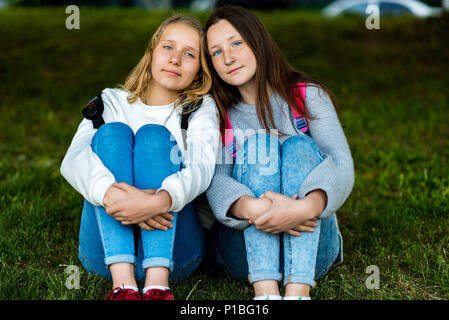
<point x="386" y="7"/>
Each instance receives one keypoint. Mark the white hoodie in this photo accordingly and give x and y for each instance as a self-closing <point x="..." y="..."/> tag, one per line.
<point x="84" y="170"/>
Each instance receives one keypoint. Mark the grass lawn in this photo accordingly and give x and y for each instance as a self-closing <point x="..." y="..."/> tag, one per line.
<point x="392" y="88"/>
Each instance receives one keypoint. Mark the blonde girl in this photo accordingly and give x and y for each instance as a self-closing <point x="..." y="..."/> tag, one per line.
<point x="139" y="174"/>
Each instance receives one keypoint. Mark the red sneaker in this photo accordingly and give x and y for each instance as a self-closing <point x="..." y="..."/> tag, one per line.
<point x="123" y="294"/>
<point x="157" y="294"/>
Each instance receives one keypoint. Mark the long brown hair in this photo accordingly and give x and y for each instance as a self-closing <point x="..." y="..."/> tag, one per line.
<point x="272" y="68"/>
<point x="138" y="80"/>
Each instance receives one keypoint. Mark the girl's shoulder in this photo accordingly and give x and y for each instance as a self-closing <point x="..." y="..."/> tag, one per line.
<point x="117" y="94"/>
<point x="114" y="101"/>
<point x="206" y="114"/>
<point x="207" y="105"/>
<point x="317" y="99"/>
<point x="315" y="91"/>
<point x="208" y="101"/>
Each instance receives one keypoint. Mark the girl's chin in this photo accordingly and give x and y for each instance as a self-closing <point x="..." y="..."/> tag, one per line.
<point x="237" y="81"/>
<point x="173" y="86"/>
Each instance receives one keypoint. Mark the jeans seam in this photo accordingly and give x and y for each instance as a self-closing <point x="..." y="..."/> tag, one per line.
<point x="246" y="251"/>
<point x="290" y="257"/>
<point x="243" y="167"/>
<point x="100" y="227"/>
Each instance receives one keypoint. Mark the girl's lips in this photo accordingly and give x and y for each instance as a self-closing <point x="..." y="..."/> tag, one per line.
<point x="173" y="73"/>
<point x="234" y="70"/>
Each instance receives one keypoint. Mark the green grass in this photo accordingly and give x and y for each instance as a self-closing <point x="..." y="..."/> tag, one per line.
<point x="392" y="89"/>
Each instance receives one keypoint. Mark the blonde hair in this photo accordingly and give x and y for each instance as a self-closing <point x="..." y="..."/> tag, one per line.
<point x="138" y="80"/>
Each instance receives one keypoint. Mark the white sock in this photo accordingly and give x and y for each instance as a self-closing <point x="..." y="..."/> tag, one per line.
<point x="128" y="287"/>
<point x="268" y="297"/>
<point x="144" y="290"/>
<point x="296" y="298"/>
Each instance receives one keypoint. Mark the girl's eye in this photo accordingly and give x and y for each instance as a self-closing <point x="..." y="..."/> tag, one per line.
<point x="189" y="55"/>
<point x="237" y="43"/>
<point x="167" y="47"/>
<point x="215" y="53"/>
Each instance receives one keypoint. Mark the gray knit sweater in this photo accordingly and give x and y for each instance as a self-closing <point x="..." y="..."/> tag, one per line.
<point x="334" y="175"/>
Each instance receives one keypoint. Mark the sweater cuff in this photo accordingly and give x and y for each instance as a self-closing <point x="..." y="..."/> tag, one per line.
<point x="172" y="186"/>
<point x="221" y="211"/>
<point x="100" y="188"/>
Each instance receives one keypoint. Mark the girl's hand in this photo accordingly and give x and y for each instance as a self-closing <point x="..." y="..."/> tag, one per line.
<point x="138" y="206"/>
<point x="113" y="195"/>
<point x="306" y="227"/>
<point x="286" y="215"/>
<point x="160" y="222"/>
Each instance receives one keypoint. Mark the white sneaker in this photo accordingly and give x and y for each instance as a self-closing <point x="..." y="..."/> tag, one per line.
<point x="296" y="298"/>
<point x="268" y="297"/>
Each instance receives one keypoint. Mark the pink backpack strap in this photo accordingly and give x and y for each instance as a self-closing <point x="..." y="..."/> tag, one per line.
<point x="301" y="121"/>
<point x="228" y="137"/>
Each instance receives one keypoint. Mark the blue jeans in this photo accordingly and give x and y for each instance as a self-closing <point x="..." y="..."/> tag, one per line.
<point x="264" y="164"/>
<point x="143" y="161"/>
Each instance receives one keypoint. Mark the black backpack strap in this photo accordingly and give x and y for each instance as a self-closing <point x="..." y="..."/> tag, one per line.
<point x="185" y="119"/>
<point x="184" y="125"/>
<point x="94" y="111"/>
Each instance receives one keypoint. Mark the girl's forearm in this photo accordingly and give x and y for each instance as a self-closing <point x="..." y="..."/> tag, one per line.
<point x="238" y="208"/>
<point x="316" y="201"/>
<point x="165" y="201"/>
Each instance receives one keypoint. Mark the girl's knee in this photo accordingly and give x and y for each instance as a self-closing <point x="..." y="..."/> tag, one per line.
<point x="113" y="133"/>
<point x="301" y="145"/>
<point x="298" y="141"/>
<point x="153" y="130"/>
<point x="114" y="127"/>
<point x="154" y="135"/>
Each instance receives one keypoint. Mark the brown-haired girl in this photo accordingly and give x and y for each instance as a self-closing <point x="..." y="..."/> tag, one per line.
<point x="287" y="166"/>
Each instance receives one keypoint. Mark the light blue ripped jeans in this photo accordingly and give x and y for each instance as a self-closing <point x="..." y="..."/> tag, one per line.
<point x="264" y="164"/>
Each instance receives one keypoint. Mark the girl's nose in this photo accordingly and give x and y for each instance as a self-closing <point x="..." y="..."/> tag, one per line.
<point x="228" y="58"/>
<point x="175" y="58"/>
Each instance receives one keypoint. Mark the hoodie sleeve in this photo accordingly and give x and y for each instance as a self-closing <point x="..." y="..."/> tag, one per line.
<point x="81" y="167"/>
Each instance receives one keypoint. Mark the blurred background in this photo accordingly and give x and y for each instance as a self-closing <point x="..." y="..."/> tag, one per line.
<point x="192" y="4"/>
<point x="391" y="84"/>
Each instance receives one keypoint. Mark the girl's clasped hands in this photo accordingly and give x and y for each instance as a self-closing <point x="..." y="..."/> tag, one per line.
<point x="276" y="213"/>
<point x="143" y="207"/>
